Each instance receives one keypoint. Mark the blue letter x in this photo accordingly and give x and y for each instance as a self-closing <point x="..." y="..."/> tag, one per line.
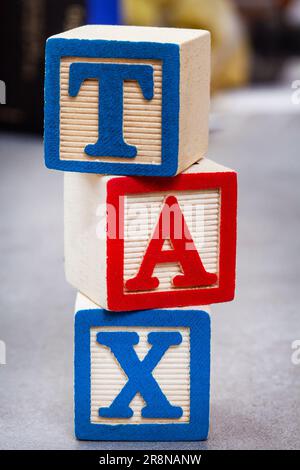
<point x="139" y="373"/>
<point x="110" y="114"/>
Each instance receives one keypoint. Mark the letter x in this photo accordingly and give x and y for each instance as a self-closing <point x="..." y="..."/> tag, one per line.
<point x="139" y="373"/>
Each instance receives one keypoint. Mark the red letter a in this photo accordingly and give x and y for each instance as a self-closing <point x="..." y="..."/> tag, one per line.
<point x="184" y="252"/>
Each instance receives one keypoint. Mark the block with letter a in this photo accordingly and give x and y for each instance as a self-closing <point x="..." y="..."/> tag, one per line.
<point x="141" y="375"/>
<point x="142" y="243"/>
<point x="126" y="100"/>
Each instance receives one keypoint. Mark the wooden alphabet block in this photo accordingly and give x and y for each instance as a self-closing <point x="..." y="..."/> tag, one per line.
<point x="141" y="375"/>
<point x="141" y="243"/>
<point x="126" y="100"/>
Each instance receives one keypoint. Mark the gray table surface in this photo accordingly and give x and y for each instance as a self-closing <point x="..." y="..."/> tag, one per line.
<point x="255" y="388"/>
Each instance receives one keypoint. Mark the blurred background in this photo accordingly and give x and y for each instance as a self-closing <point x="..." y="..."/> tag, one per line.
<point x="254" y="128"/>
<point x="253" y="42"/>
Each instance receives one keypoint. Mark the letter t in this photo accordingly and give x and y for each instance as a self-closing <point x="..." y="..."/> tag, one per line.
<point x="110" y="115"/>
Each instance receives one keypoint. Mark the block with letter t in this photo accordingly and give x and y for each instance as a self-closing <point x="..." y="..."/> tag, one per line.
<point x="141" y="243"/>
<point x="126" y="100"/>
<point x="141" y="375"/>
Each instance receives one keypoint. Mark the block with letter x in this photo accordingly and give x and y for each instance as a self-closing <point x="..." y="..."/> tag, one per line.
<point x="126" y="100"/>
<point x="141" y="375"/>
<point x="140" y="243"/>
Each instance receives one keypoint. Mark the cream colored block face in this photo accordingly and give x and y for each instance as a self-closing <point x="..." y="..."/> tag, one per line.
<point x="201" y="210"/>
<point x="79" y="115"/>
<point x="141" y="375"/>
<point x="111" y="228"/>
<point x="155" y="122"/>
<point x="108" y="378"/>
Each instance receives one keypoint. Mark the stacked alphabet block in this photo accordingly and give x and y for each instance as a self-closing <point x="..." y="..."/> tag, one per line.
<point x="150" y="225"/>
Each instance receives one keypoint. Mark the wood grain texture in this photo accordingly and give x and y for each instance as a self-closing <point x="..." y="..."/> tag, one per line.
<point x="79" y="115"/>
<point x="201" y="212"/>
<point x="172" y="374"/>
<point x="86" y="254"/>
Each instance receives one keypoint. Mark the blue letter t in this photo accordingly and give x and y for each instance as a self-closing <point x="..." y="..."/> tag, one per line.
<point x="110" y="115"/>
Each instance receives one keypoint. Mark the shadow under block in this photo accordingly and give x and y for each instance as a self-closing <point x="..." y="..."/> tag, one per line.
<point x="126" y="100"/>
<point x="142" y="375"/>
<point x="141" y="243"/>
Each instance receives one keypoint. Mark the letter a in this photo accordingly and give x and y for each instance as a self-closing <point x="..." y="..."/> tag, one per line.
<point x="184" y="252"/>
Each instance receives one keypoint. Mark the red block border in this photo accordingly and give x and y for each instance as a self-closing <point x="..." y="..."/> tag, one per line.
<point x="226" y="182"/>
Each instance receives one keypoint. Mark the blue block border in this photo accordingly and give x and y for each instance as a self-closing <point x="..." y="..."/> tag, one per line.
<point x="169" y="54"/>
<point x="199" y="324"/>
